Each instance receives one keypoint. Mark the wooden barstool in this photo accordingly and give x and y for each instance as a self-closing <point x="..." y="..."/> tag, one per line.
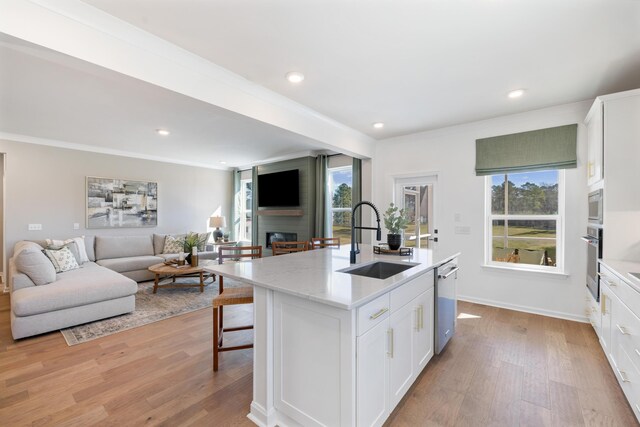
<point x="282" y="248"/>
<point x="325" y="242"/>
<point x="231" y="296"/>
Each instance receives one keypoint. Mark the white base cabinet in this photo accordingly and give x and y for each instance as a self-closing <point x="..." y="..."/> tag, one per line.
<point x="334" y="367"/>
<point x="391" y="356"/>
<point x="620" y="332"/>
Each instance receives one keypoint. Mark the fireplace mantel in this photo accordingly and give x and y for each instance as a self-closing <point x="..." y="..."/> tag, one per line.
<point x="281" y="212"/>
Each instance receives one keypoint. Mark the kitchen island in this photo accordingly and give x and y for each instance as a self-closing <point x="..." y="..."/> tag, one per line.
<point x="333" y="348"/>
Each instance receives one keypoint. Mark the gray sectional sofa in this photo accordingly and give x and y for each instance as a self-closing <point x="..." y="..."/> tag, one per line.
<point x="105" y="286"/>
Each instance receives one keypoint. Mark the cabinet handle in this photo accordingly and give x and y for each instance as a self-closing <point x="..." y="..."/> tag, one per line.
<point x="421" y="308"/>
<point x="603" y="304"/>
<point x="390" y="335"/>
<point x="378" y="313"/>
<point x="622" y="330"/>
<point x="623" y="376"/>
<point x="417" y="318"/>
<point x="606" y="281"/>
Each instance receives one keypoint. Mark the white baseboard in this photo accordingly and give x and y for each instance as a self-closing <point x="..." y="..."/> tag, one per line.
<point x="532" y="310"/>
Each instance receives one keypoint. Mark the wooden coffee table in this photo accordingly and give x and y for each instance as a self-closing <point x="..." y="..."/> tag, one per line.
<point x="172" y="272"/>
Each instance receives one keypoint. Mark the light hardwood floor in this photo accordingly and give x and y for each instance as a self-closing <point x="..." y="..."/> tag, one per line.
<point x="502" y="368"/>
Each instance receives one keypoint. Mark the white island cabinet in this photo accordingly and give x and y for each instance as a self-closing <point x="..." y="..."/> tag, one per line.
<point x="331" y="348"/>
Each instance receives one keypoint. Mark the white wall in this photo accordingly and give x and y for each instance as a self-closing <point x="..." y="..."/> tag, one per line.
<point x="46" y="185"/>
<point x="451" y="153"/>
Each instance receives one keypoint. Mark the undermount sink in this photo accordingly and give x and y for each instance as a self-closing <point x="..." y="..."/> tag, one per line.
<point x="379" y="270"/>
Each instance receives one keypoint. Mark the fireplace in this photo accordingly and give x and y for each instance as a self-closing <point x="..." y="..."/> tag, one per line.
<point x="279" y="236"/>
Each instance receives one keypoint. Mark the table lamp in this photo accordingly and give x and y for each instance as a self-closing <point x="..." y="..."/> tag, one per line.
<point x="217" y="222"/>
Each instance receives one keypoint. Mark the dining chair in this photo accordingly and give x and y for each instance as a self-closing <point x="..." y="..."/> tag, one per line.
<point x="283" y="248"/>
<point x="231" y="296"/>
<point x="325" y="242"/>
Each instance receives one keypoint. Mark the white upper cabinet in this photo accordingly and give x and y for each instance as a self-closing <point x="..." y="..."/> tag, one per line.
<point x="595" y="143"/>
<point x="613" y="138"/>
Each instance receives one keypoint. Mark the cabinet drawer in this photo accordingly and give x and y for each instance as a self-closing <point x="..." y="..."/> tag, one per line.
<point x="372" y="313"/>
<point x="626" y="326"/>
<point x="629" y="378"/>
<point x="629" y="296"/>
<point x="410" y="290"/>
<point x="608" y="277"/>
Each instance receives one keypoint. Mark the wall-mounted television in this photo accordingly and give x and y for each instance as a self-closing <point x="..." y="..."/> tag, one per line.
<point x="279" y="189"/>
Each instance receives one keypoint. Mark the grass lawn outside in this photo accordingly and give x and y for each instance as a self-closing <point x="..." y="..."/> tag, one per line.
<point x="530" y="242"/>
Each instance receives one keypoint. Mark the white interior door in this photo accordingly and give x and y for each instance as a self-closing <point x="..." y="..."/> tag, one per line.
<point x="417" y="196"/>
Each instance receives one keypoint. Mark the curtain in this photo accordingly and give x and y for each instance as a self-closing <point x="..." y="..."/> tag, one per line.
<point x="254" y="205"/>
<point x="235" y="207"/>
<point x="321" y="216"/>
<point x="356" y="193"/>
<point x="553" y="148"/>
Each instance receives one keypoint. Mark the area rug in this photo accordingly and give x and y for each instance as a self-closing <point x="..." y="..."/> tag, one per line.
<point x="150" y="307"/>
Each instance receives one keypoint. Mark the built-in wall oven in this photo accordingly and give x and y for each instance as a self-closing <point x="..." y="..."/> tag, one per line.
<point x="594" y="253"/>
<point x="595" y="207"/>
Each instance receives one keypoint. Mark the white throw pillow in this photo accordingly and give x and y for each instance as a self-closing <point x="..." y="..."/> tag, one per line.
<point x="173" y="245"/>
<point x="33" y="262"/>
<point x="62" y="259"/>
<point x="82" y="256"/>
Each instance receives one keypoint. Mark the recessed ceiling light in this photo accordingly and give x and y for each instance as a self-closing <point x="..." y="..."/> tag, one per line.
<point x="295" y="77"/>
<point x="516" y="93"/>
<point x="223" y="162"/>
<point x="163" y="132"/>
<point x="378" y="125"/>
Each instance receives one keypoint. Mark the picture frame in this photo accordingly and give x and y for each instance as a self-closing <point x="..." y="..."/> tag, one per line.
<point x="121" y="203"/>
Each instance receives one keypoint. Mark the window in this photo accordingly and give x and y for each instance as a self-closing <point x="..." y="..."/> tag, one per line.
<point x="340" y="181"/>
<point x="524" y="223"/>
<point x="245" y="204"/>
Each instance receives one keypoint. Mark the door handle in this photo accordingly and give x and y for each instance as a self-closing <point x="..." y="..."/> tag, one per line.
<point x="448" y="273"/>
<point x="390" y="336"/>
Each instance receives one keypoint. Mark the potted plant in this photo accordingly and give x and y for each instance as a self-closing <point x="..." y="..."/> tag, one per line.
<point x="395" y="220"/>
<point x="194" y="240"/>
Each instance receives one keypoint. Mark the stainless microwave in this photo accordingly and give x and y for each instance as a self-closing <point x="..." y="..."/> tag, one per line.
<point x="595" y="207"/>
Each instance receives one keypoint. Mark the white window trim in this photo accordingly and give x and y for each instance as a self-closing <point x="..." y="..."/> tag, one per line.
<point x="419" y="179"/>
<point x="560" y="235"/>
<point x="244" y="211"/>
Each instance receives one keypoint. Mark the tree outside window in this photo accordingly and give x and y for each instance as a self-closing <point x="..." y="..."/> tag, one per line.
<point x="525" y="219"/>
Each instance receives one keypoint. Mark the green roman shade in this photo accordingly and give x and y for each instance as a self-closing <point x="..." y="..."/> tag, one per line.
<point x="553" y="148"/>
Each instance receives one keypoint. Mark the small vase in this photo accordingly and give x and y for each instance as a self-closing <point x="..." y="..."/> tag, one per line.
<point x="394" y="241"/>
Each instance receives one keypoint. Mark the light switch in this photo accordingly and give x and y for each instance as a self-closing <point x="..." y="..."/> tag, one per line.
<point x="457" y="217"/>
<point x="76" y="226"/>
<point x="35" y="227"/>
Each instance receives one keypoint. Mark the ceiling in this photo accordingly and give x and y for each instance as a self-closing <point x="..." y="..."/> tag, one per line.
<point x="414" y="65"/>
<point x="59" y="98"/>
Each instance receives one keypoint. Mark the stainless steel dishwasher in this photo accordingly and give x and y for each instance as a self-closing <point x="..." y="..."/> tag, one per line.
<point x="445" y="303"/>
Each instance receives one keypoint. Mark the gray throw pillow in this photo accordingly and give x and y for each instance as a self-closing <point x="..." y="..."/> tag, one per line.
<point x="36" y="265"/>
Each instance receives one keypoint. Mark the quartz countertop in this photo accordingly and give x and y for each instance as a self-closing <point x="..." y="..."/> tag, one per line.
<point x="314" y="274"/>
<point x="623" y="268"/>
